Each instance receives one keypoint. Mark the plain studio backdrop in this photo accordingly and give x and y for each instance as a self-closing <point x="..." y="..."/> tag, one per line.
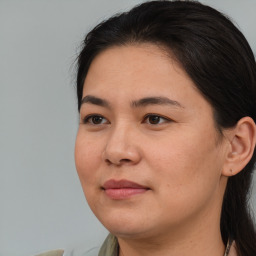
<point x="42" y="203"/>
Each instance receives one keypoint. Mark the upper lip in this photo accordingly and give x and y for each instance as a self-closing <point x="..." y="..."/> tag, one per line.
<point x="118" y="184"/>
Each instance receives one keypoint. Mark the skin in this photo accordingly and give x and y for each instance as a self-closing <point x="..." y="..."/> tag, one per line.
<point x="180" y="158"/>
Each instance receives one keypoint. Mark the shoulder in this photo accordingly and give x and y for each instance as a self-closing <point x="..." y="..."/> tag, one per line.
<point x="52" y="253"/>
<point x="109" y="247"/>
<point x="74" y="252"/>
<point x="80" y="252"/>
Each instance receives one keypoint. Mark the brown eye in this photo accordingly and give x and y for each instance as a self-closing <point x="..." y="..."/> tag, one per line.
<point x="155" y="119"/>
<point x="95" y="120"/>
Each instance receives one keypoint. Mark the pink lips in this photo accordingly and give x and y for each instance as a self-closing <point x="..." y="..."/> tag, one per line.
<point x="122" y="189"/>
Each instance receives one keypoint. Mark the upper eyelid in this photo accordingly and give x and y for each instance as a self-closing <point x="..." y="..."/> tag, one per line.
<point x="161" y="116"/>
<point x="87" y="117"/>
<point x="90" y="115"/>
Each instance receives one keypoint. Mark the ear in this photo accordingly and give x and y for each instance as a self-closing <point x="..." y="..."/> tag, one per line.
<point x="242" y="141"/>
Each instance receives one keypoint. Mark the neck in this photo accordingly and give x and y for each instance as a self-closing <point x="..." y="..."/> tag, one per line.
<point x="196" y="238"/>
<point x="190" y="245"/>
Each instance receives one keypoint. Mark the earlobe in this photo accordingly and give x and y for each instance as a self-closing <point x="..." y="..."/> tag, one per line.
<point x="242" y="141"/>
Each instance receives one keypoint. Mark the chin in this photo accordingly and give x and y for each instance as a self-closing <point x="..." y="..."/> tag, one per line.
<point x="124" y="225"/>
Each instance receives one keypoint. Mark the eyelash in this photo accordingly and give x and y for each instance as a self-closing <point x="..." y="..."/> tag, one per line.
<point x="87" y="119"/>
<point x="165" y="119"/>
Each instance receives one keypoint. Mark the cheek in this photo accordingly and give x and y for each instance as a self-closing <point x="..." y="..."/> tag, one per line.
<point x="188" y="176"/>
<point x="87" y="158"/>
<point x="186" y="163"/>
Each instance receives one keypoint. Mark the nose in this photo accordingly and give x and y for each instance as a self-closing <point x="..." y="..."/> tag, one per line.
<point x="122" y="148"/>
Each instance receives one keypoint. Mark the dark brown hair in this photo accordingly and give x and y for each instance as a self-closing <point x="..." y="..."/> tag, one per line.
<point x="217" y="57"/>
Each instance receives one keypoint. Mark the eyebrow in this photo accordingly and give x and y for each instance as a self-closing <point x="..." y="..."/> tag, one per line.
<point x="95" y="101"/>
<point x="155" y="101"/>
<point x="137" y="103"/>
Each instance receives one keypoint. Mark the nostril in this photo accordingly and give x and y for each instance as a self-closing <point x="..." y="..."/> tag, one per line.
<point x="125" y="160"/>
<point x="119" y="162"/>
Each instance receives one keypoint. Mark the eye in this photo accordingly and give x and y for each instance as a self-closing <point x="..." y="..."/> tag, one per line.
<point x="155" y="119"/>
<point x="95" y="120"/>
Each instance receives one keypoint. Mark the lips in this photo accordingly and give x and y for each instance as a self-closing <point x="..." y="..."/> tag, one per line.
<point x="123" y="189"/>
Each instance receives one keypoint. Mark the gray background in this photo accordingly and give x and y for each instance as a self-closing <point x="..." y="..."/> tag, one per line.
<point x="42" y="204"/>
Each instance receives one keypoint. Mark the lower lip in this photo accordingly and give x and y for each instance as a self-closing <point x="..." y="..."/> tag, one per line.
<point x="124" y="193"/>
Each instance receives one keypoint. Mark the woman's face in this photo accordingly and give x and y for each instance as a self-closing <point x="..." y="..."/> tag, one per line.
<point x="147" y="152"/>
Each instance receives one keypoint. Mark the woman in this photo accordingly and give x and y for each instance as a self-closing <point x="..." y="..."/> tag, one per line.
<point x="165" y="146"/>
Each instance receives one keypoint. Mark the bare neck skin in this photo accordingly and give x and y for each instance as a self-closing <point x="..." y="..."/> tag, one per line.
<point x="197" y="243"/>
<point x="209" y="246"/>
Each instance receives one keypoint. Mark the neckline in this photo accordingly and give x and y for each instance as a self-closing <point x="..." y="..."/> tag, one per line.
<point x="229" y="244"/>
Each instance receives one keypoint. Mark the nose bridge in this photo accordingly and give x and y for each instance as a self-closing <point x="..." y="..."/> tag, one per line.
<point x="121" y="145"/>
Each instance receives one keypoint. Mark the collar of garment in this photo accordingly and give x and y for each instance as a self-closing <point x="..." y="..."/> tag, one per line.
<point x="109" y="247"/>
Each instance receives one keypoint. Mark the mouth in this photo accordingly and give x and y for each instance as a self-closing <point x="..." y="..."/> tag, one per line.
<point x="122" y="189"/>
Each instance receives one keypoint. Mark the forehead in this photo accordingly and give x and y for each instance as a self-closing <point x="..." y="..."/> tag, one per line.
<point x="142" y="65"/>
